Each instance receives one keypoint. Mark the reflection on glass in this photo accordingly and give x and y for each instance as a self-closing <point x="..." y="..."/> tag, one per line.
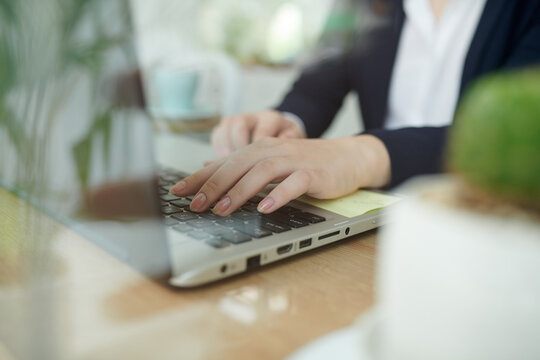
<point x="74" y="141"/>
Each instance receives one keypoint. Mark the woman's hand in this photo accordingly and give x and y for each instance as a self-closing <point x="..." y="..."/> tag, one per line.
<point x="320" y="168"/>
<point x="235" y="132"/>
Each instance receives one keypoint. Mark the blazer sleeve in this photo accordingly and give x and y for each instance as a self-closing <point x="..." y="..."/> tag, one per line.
<point x="318" y="94"/>
<point x="413" y="151"/>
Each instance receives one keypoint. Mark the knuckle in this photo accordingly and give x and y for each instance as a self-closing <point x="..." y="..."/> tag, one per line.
<point x="210" y="188"/>
<point x="287" y="147"/>
<point x="236" y="193"/>
<point x="268" y="142"/>
<point x="193" y="179"/>
<point x="305" y="176"/>
<point x="267" y="166"/>
<point x="239" y="157"/>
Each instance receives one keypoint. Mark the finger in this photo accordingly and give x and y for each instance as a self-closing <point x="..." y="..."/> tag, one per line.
<point x="224" y="177"/>
<point x="191" y="184"/>
<point x="220" y="138"/>
<point x="267" y="126"/>
<point x="290" y="134"/>
<point x="292" y="187"/>
<point x="252" y="183"/>
<point x="240" y="132"/>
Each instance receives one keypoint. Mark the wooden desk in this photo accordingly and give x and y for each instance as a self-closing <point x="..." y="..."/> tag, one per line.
<point x="106" y="310"/>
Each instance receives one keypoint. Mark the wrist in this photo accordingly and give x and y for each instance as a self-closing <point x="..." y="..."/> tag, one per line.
<point x="370" y="159"/>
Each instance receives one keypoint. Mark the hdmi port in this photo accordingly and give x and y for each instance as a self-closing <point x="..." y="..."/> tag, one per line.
<point x="284" y="249"/>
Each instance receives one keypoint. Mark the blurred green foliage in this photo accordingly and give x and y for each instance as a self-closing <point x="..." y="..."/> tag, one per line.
<point x="83" y="46"/>
<point x="495" y="141"/>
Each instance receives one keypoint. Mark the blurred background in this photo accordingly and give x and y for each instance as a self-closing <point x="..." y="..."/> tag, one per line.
<point x="251" y="50"/>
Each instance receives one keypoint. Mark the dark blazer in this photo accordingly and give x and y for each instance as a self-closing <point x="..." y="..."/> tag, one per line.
<point x="507" y="36"/>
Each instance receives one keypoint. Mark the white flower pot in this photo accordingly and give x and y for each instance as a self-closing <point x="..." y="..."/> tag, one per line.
<point x="455" y="283"/>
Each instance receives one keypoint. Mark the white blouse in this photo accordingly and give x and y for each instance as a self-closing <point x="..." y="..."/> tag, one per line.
<point x="427" y="73"/>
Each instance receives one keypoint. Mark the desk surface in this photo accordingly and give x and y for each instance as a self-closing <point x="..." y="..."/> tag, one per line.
<point x="105" y="310"/>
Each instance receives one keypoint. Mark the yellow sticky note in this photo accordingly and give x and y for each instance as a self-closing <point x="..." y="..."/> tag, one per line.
<point x="355" y="204"/>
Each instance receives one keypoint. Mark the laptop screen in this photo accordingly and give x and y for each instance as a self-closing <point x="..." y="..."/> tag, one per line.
<point x="76" y="143"/>
<point x="75" y="139"/>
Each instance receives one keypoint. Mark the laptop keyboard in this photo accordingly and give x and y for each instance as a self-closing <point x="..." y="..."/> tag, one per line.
<point x="245" y="224"/>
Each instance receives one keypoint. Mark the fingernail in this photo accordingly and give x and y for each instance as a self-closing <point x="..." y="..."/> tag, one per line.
<point x="177" y="189"/>
<point x="265" y="205"/>
<point x="223" y="205"/>
<point x="198" y="202"/>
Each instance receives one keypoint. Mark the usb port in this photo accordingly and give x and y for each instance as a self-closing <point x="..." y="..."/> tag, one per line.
<point x="304" y="243"/>
<point x="284" y="249"/>
<point x="253" y="262"/>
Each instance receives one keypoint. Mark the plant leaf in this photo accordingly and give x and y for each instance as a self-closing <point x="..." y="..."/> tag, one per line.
<point x="7" y="10"/>
<point x="13" y="127"/>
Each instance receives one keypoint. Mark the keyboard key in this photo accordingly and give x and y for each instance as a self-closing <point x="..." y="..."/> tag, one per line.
<point x="244" y="214"/>
<point x="166" y="187"/>
<point x="168" y="221"/>
<point x="288" y="210"/>
<point x="169" y="197"/>
<point x="309" y="217"/>
<point x="185" y="216"/>
<point x="250" y="207"/>
<point x="165" y="182"/>
<point x="216" y="230"/>
<point x="183" y="228"/>
<point x="288" y="220"/>
<point x="201" y="223"/>
<point x="274" y="226"/>
<point x="217" y="243"/>
<point x="235" y="237"/>
<point x="229" y="221"/>
<point x="173" y="174"/>
<point x="181" y="203"/>
<point x="210" y="216"/>
<point x="168" y="210"/>
<point x="169" y="178"/>
<point x="255" y="200"/>
<point x="295" y="222"/>
<point x="200" y="235"/>
<point x="253" y="231"/>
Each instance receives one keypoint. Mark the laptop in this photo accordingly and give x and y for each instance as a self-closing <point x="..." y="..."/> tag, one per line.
<point x="107" y="178"/>
<point x="159" y="235"/>
<point x="246" y="240"/>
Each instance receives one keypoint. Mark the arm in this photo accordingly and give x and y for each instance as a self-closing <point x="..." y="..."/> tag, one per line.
<point x="413" y="151"/>
<point x="318" y="94"/>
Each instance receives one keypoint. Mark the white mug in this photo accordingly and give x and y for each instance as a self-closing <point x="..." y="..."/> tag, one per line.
<point x="183" y="87"/>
